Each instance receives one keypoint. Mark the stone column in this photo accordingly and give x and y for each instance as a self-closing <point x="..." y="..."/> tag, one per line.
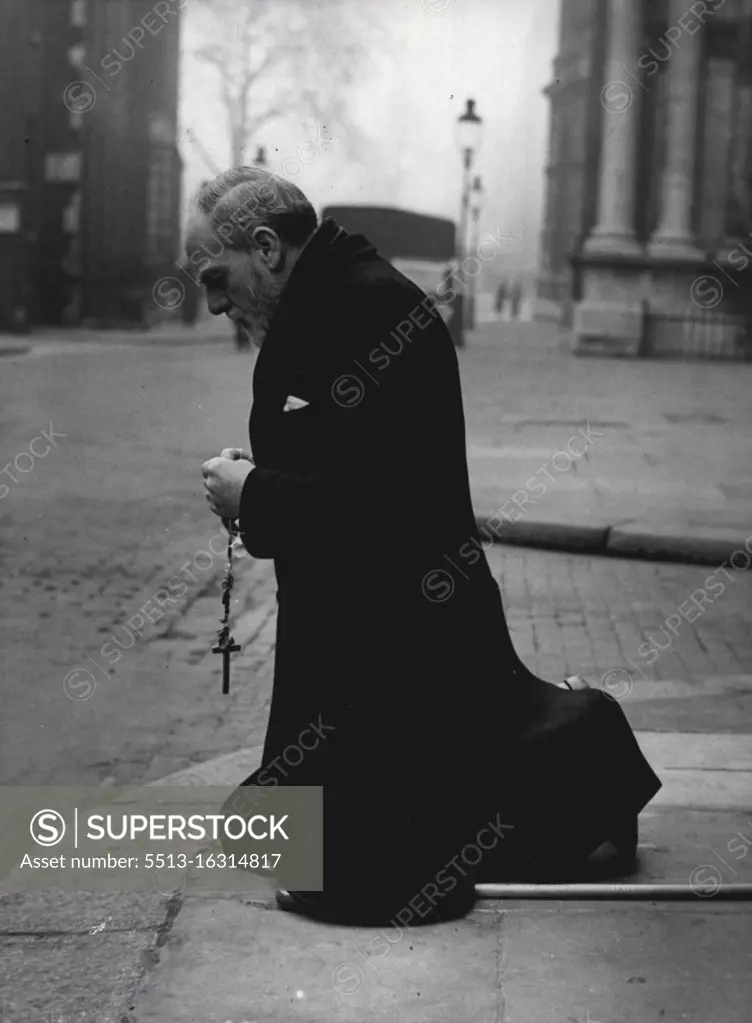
<point x="614" y="232"/>
<point x="738" y="212"/>
<point x="673" y="238"/>
<point x="717" y="135"/>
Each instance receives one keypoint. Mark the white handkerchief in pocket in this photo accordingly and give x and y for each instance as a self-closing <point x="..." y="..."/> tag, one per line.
<point x="293" y="403"/>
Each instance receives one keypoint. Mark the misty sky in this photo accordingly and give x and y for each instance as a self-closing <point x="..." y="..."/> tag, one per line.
<point x="405" y="105"/>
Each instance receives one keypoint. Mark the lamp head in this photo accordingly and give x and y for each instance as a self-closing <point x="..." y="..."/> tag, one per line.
<point x="469" y="129"/>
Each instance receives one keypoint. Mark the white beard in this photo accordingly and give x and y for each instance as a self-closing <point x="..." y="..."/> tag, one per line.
<point x="256" y="324"/>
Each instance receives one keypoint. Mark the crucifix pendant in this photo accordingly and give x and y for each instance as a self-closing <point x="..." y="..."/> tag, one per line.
<point x="226" y="646"/>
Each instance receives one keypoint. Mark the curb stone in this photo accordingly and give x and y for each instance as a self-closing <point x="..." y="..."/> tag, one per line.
<point x="13" y="349"/>
<point x="693" y="545"/>
<point x="555" y="535"/>
<point x="686" y="545"/>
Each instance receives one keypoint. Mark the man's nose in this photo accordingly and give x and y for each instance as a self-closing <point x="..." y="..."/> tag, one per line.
<point x="217" y="302"/>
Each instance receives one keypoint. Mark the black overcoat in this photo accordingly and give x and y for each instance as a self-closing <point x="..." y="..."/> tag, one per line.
<point x="391" y="635"/>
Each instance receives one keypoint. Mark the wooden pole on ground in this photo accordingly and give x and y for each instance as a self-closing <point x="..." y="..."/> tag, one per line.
<point x="607" y="892"/>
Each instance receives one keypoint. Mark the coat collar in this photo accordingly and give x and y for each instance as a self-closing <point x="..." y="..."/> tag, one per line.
<point x="295" y="330"/>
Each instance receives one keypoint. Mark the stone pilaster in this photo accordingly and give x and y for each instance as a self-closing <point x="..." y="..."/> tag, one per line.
<point x="717" y="140"/>
<point x="610" y="318"/>
<point x="738" y="221"/>
<point x="674" y="238"/>
<point x="614" y="232"/>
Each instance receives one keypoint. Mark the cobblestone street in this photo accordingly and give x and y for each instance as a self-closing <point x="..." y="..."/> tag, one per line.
<point x="110" y="518"/>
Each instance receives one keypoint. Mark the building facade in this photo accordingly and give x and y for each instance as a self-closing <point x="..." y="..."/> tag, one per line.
<point x="90" y="174"/>
<point x="647" y="239"/>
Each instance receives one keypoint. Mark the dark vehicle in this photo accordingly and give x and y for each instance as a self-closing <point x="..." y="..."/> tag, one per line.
<point x="419" y="246"/>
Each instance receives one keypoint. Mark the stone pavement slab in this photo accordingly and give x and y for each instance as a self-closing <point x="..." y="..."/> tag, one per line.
<point x="70" y="977"/>
<point x="76" y="957"/>
<point x="596" y="964"/>
<point x="227" y="961"/>
<point x="729" y="754"/>
<point x="676" y="843"/>
<point x="70" y="957"/>
<point x="696" y="715"/>
<point x="656" y="448"/>
<point x="700" y="770"/>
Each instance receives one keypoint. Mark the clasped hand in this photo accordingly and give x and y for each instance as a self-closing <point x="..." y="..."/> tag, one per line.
<point x="224" y="478"/>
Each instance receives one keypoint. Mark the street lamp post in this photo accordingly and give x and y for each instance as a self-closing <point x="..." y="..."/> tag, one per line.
<point x="476" y="199"/>
<point x="469" y="128"/>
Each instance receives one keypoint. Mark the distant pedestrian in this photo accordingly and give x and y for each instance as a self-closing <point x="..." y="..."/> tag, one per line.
<point x="501" y="298"/>
<point x="516" y="300"/>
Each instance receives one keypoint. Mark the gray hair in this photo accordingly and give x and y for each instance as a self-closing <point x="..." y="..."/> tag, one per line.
<point x="244" y="198"/>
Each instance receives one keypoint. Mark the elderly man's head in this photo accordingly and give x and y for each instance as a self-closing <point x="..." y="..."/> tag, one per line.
<point x="247" y="231"/>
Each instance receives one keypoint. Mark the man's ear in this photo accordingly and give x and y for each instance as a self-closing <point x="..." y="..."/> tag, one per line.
<point x="269" y="245"/>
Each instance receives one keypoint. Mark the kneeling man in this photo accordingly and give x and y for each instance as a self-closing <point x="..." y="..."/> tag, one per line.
<point x="391" y="635"/>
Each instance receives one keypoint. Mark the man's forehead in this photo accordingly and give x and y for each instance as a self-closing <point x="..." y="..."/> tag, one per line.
<point x="200" y="236"/>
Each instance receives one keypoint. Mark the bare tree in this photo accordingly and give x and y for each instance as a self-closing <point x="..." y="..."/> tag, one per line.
<point x="278" y="58"/>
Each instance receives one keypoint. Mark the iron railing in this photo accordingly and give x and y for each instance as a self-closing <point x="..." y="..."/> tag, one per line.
<point x="705" y="334"/>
